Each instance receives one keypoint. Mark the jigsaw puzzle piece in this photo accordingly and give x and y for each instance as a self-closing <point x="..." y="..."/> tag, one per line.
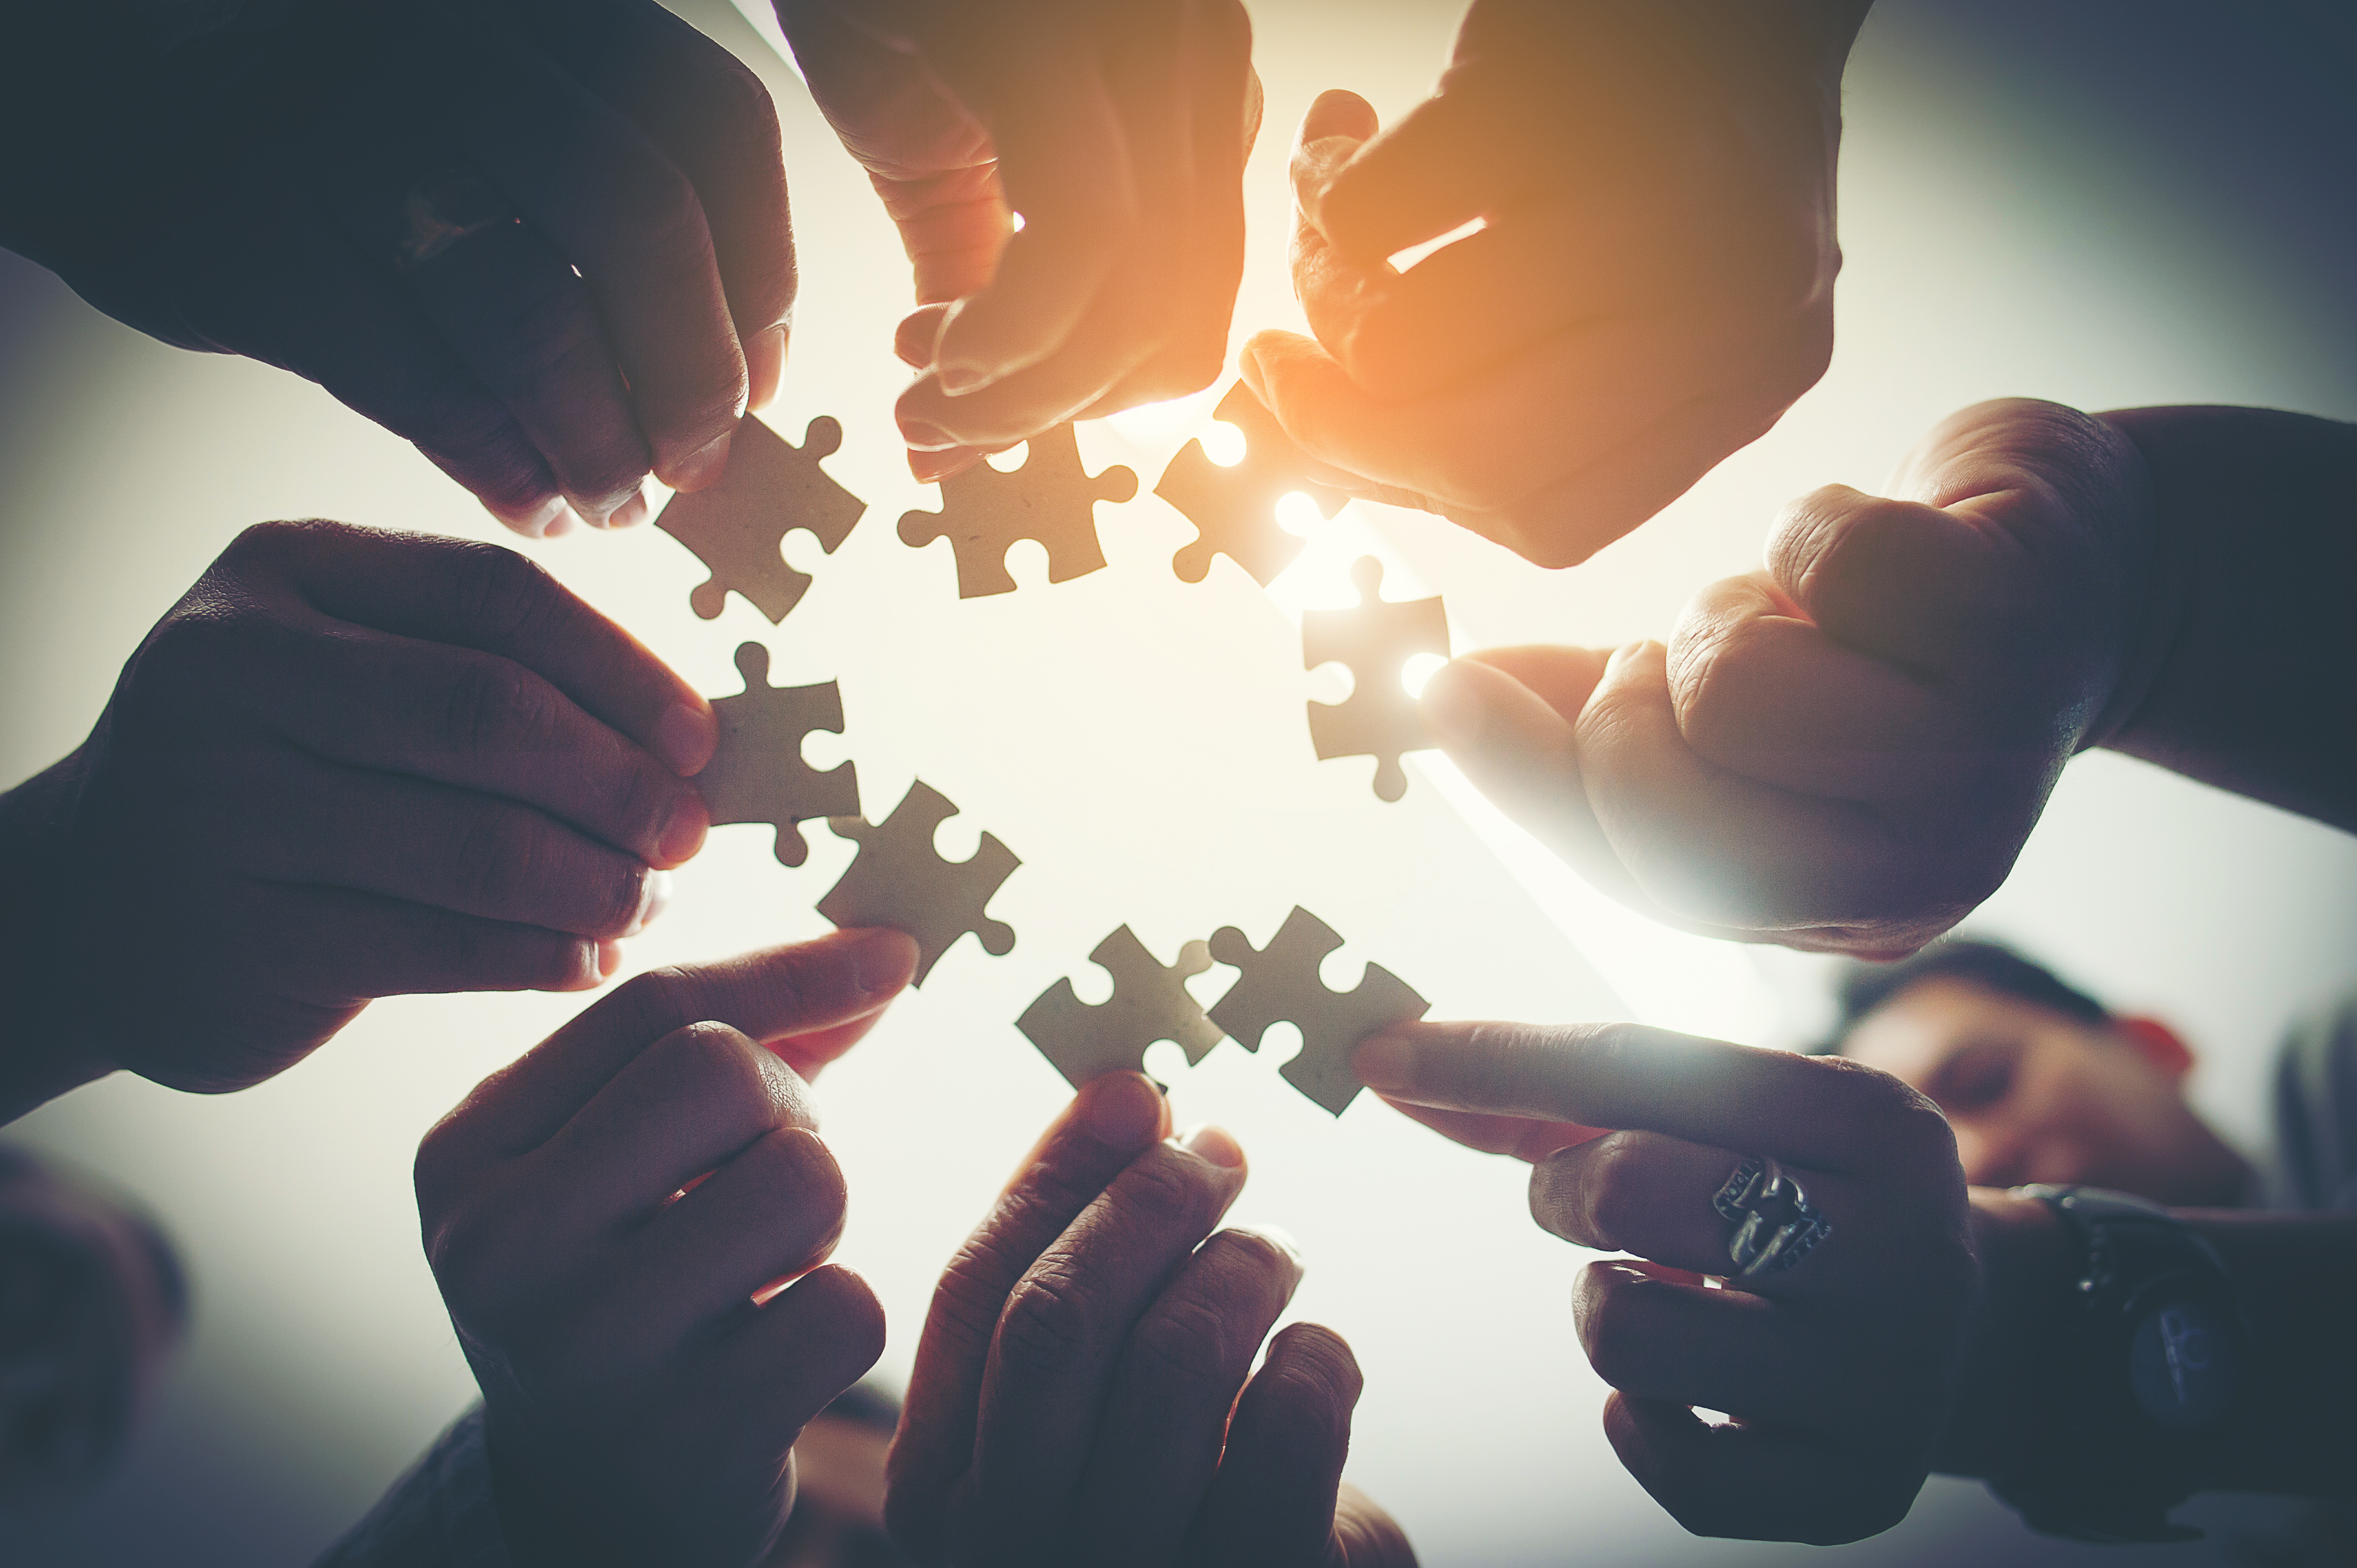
<point x="1234" y="509"/>
<point x="1149" y="1002"/>
<point x="1280" y="984"/>
<point x="1050" y="498"/>
<point x="900" y="879"/>
<point x="738" y="526"/>
<point x="758" y="775"/>
<point x="1379" y="719"/>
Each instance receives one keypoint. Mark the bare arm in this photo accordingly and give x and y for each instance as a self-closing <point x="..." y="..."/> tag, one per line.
<point x="2252" y="650"/>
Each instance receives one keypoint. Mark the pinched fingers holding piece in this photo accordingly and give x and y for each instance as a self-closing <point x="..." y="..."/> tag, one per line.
<point x="630" y="1227"/>
<point x="1075" y="1399"/>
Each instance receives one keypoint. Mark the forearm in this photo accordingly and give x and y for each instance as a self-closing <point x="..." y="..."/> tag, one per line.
<point x="2294" y="1276"/>
<point x="2250" y="658"/>
<point x="40" y="1058"/>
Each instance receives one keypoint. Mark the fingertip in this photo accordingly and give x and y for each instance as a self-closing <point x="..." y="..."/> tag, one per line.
<point x="1214" y="1146"/>
<point x="607" y="959"/>
<point x="1338" y="112"/>
<point x="698" y="470"/>
<point x="1455" y="704"/>
<point x="883" y="961"/>
<point x="919" y="332"/>
<point x="764" y="365"/>
<point x="1385" y="1062"/>
<point x="932" y="467"/>
<point x="687" y="738"/>
<point x="1122" y="1111"/>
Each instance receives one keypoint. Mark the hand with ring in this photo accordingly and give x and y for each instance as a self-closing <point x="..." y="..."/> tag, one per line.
<point x="1826" y="1197"/>
<point x="544" y="239"/>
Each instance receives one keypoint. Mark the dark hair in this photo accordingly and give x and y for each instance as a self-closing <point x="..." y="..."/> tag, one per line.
<point x="1863" y="987"/>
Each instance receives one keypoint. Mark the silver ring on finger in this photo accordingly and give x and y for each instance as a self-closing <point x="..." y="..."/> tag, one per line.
<point x="1774" y="1225"/>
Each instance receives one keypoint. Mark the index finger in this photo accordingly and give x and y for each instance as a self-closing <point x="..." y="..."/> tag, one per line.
<point x="800" y="988"/>
<point x="495" y="601"/>
<point x="1109" y="1123"/>
<point x="1826" y="1113"/>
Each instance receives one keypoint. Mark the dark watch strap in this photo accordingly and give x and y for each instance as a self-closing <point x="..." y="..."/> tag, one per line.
<point x="2141" y="1375"/>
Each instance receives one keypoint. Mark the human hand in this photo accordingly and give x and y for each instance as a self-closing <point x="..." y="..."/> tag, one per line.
<point x="1839" y="1371"/>
<point x="1651" y="289"/>
<point x="544" y="239"/>
<point x="613" y="1221"/>
<point x="1075" y="1397"/>
<point x="1847" y="750"/>
<point x="1117" y="131"/>
<point x="348" y="764"/>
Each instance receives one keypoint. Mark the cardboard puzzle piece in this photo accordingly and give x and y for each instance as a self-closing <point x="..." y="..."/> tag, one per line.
<point x="1379" y="719"/>
<point x="900" y="879"/>
<point x="1279" y="984"/>
<point x="1050" y="498"/>
<point x="1149" y="1002"/>
<point x="738" y="526"/>
<point x="1234" y="509"/>
<point x="758" y="774"/>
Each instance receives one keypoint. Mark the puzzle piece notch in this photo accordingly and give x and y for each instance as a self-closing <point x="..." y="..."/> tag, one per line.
<point x="736" y="526"/>
<point x="1149" y="1002"/>
<point x="758" y="775"/>
<point x="899" y="880"/>
<point x="1234" y="509"/>
<point x="1050" y="498"/>
<point x="1379" y="719"/>
<point x="1280" y="984"/>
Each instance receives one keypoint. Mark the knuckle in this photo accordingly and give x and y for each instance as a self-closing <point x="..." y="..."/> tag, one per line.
<point x="1188" y="1342"/>
<point x="1162" y="1193"/>
<point x="1614" y="1194"/>
<point x="1047" y="1324"/>
<point x="489" y="706"/>
<point x="659" y="1001"/>
<point x="718" y="1066"/>
<point x="511" y="598"/>
<point x="498" y="857"/>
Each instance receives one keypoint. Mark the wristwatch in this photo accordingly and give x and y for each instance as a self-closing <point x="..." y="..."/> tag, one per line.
<point x="2140" y="1380"/>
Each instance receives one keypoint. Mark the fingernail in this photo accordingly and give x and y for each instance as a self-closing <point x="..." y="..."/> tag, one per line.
<point x="882" y="962"/>
<point x="1384" y="1062"/>
<point x="1450" y="708"/>
<point x="633" y="512"/>
<point x="1212" y="1144"/>
<point x="564" y="523"/>
<point x="609" y="959"/>
<point x="925" y="437"/>
<point x="654" y="897"/>
<point x="932" y="467"/>
<point x="685" y="739"/>
<point x="1278" y="1237"/>
<point x="683" y="832"/>
<point x="958" y="379"/>
<point x="546" y="521"/>
<point x="699" y="467"/>
<point x="765" y="366"/>
<point x="1122" y="1110"/>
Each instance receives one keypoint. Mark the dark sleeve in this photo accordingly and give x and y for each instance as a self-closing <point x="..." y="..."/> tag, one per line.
<point x="439" y="1514"/>
<point x="2316" y="1114"/>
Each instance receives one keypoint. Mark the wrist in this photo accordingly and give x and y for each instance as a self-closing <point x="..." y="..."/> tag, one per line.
<point x="43" y="1053"/>
<point x="2027" y="1267"/>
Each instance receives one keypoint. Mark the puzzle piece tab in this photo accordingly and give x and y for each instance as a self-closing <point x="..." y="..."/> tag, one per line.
<point x="1379" y="719"/>
<point x="758" y="774"/>
<point x="1234" y="509"/>
<point x="1050" y="498"/>
<point x="1149" y="1002"/>
<point x="738" y="526"/>
<point x="1279" y="984"/>
<point x="900" y="879"/>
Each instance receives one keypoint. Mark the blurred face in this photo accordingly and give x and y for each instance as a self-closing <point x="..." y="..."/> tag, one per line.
<point x="2035" y="1095"/>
